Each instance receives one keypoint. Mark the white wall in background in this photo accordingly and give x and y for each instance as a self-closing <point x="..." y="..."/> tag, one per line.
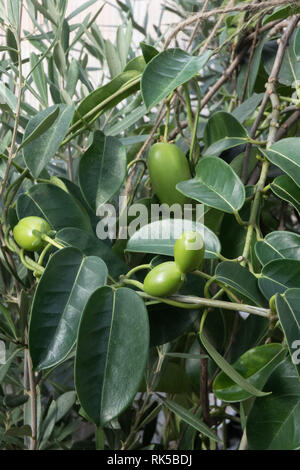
<point x="108" y="21"/>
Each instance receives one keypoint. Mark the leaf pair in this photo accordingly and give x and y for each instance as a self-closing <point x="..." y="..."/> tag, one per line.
<point x="72" y="305"/>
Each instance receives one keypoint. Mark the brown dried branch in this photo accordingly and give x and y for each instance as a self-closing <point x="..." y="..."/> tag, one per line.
<point x="267" y="6"/>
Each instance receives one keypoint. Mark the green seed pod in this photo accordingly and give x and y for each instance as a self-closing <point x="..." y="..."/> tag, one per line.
<point x="163" y="280"/>
<point x="189" y="251"/>
<point x="28" y="232"/>
<point x="168" y="166"/>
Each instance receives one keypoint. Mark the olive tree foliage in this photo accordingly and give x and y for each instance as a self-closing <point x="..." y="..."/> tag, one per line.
<point x="88" y="360"/>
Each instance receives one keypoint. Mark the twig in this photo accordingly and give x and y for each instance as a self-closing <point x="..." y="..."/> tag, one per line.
<point x="216" y="27"/>
<point x="269" y="93"/>
<point x="18" y="109"/>
<point x="225" y="76"/>
<point x="248" y="7"/>
<point x="191" y="302"/>
<point x="287" y="124"/>
<point x="204" y="398"/>
<point x="204" y="8"/>
<point x="33" y="402"/>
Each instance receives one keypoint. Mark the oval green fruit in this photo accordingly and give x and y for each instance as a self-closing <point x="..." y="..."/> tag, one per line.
<point x="163" y="280"/>
<point x="28" y="232"/>
<point x="189" y="251"/>
<point x="168" y="166"/>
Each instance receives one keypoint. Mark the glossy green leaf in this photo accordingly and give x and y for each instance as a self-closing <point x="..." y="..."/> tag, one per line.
<point x="241" y="280"/>
<point x="215" y="149"/>
<point x="216" y="185"/>
<point x="112" y="350"/>
<point x="285" y="154"/>
<point x="231" y="372"/>
<point x="255" y="365"/>
<point x="274" y="421"/>
<point x="159" y="237"/>
<point x="167" y="71"/>
<point x="247" y="108"/>
<point x="62" y="293"/>
<point x="106" y="97"/>
<point x="285" y="188"/>
<point x="288" y="310"/>
<point x="57" y="206"/>
<point x="38" y="152"/>
<point x="189" y="418"/>
<point x="278" y="245"/>
<point x="281" y="13"/>
<point x="148" y="51"/>
<point x="41" y="128"/>
<point x="223" y="131"/>
<point x="92" y="246"/>
<point x="137" y="63"/>
<point x="102" y="169"/>
<point x="279" y="275"/>
<point x="221" y="125"/>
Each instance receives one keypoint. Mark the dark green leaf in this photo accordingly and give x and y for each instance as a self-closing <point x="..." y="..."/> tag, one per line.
<point x="278" y="245"/>
<point x="190" y="419"/>
<point x="220" y="146"/>
<point x="240" y="280"/>
<point x="92" y="246"/>
<point x="41" y="150"/>
<point x="62" y="293"/>
<point x="148" y="51"/>
<point x="112" y="350"/>
<point x="12" y="45"/>
<point x="41" y="128"/>
<point x="222" y="125"/>
<point x="288" y="309"/>
<point x="247" y="108"/>
<point x="54" y="204"/>
<point x="285" y="188"/>
<point x="19" y="431"/>
<point x="281" y="13"/>
<point x="167" y="71"/>
<point x="102" y="169"/>
<point x="255" y="365"/>
<point x="279" y="275"/>
<point x="274" y="421"/>
<point x="159" y="237"/>
<point x="106" y="97"/>
<point x="216" y="185"/>
<point x="235" y="376"/>
<point x="285" y="154"/>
